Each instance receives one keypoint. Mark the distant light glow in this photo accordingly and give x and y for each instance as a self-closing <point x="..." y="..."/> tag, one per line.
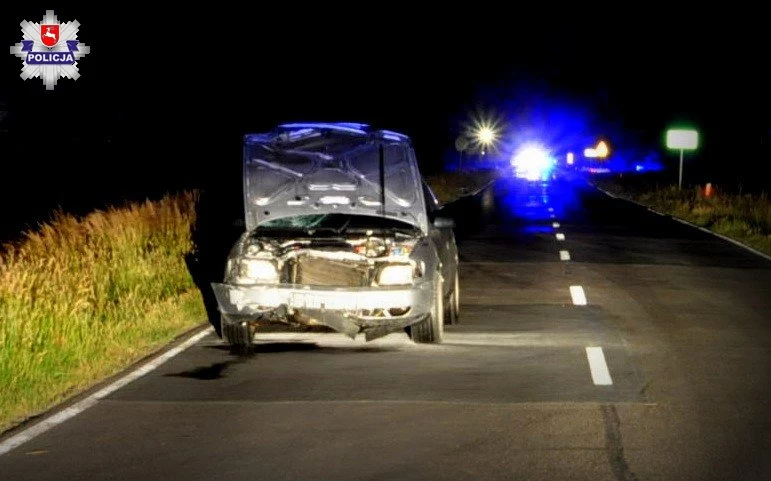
<point x="682" y="139"/>
<point x="486" y="134"/>
<point x="532" y="162"/>
<point x="571" y="158"/>
<point x="484" y="131"/>
<point x="601" y="151"/>
<point x="639" y="168"/>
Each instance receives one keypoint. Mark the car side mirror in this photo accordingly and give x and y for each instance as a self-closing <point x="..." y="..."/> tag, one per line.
<point x="444" y="223"/>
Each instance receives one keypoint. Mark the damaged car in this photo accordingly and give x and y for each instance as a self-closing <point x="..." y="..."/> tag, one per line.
<point x="341" y="231"/>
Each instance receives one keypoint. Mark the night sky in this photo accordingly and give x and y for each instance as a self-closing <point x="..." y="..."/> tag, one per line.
<point x="165" y="97"/>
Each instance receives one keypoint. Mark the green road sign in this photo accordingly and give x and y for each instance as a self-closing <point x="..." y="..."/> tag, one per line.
<point x="682" y="139"/>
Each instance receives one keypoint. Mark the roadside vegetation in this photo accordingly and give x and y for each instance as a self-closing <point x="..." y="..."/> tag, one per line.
<point x="450" y="186"/>
<point x="82" y="298"/>
<point x="743" y="217"/>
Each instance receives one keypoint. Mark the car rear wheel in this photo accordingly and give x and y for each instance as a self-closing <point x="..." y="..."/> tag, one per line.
<point x="431" y="329"/>
<point x="238" y="335"/>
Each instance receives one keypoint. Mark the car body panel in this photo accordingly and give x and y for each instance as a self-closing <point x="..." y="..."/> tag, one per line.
<point x="298" y="170"/>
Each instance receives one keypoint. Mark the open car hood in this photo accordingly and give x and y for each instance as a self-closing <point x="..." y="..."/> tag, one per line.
<point x="301" y="169"/>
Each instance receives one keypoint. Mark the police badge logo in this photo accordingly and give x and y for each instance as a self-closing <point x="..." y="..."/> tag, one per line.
<point x="50" y="50"/>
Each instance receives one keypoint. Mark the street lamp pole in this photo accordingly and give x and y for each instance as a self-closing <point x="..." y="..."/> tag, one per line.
<point x="680" y="178"/>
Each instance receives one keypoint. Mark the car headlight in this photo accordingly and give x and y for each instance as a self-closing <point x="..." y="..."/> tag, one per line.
<point x="395" y="275"/>
<point x="251" y="271"/>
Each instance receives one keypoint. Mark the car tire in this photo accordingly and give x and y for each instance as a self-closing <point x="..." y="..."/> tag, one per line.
<point x="238" y="335"/>
<point x="431" y="329"/>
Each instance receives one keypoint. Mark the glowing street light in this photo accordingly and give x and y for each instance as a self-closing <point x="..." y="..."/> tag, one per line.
<point x="484" y="130"/>
<point x="486" y="135"/>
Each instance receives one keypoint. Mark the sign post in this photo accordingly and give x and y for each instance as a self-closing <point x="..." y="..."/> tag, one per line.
<point x="682" y="140"/>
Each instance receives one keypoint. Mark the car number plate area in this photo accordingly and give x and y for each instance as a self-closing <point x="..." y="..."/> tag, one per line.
<point x="316" y="300"/>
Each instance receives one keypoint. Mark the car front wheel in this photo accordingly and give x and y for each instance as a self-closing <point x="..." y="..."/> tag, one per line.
<point x="431" y="329"/>
<point x="238" y="334"/>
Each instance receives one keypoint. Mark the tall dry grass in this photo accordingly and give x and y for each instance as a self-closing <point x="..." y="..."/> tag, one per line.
<point x="80" y="298"/>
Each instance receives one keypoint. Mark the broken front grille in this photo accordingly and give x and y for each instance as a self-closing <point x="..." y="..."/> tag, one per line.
<point x="314" y="271"/>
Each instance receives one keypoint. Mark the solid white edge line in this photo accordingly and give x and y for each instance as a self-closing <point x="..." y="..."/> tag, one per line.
<point x="55" y="419"/>
<point x="656" y="212"/>
<point x="564" y="255"/>
<point x="560" y="236"/>
<point x="598" y="367"/>
<point x="703" y="229"/>
<point x="606" y="192"/>
<point x="739" y="244"/>
<point x="578" y="295"/>
<point x="677" y="219"/>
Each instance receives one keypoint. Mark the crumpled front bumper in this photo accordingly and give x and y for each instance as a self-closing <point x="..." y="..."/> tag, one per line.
<point x="341" y="308"/>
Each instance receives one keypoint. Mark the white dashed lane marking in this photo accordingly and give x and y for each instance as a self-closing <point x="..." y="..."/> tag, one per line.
<point x="598" y="367"/>
<point x="578" y="295"/>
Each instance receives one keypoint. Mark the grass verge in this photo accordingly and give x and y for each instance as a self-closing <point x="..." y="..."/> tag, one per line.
<point x="450" y="186"/>
<point x="745" y="218"/>
<point x="82" y="298"/>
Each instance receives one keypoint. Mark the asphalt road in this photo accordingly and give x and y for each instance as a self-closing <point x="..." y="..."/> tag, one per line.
<point x="678" y="322"/>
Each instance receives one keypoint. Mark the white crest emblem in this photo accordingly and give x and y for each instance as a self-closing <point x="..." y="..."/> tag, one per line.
<point x="50" y="50"/>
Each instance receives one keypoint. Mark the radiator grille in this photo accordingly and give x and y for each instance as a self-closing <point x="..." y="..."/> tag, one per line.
<point x="324" y="272"/>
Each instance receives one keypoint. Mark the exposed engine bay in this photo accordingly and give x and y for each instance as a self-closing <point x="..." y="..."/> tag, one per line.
<point x="350" y="265"/>
<point x="356" y="261"/>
